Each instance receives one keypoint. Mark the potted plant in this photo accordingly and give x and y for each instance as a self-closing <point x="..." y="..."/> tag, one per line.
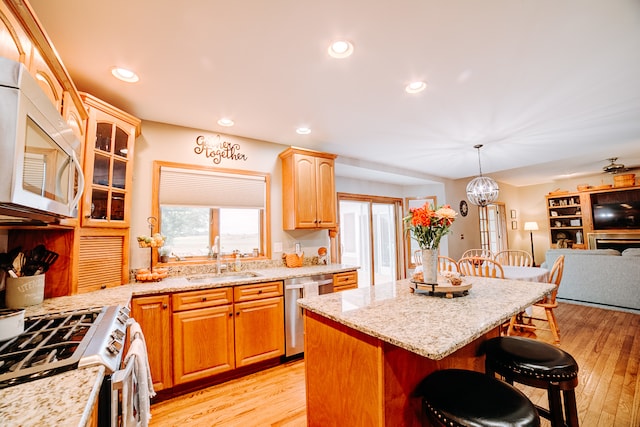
<point x="164" y="252"/>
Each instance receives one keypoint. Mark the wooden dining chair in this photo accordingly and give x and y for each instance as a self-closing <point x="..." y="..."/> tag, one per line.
<point x="515" y="257"/>
<point x="482" y="253"/>
<point x="478" y="266"/>
<point x="548" y="304"/>
<point x="447" y="264"/>
<point x="417" y="257"/>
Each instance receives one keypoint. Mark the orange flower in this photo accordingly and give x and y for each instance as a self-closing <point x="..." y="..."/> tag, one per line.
<point x="429" y="225"/>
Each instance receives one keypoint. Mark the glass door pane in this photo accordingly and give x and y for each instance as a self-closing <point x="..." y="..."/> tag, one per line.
<point x="355" y="242"/>
<point x="384" y="242"/>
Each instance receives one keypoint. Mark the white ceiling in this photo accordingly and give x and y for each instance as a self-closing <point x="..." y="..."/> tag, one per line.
<point x="551" y="88"/>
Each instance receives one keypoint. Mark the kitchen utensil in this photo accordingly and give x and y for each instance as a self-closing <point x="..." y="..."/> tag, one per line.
<point x="18" y="263"/>
<point x="11" y="323"/>
<point x="6" y="263"/>
<point x="38" y="260"/>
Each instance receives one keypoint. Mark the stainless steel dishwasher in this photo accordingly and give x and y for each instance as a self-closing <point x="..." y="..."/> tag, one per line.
<point x="293" y="322"/>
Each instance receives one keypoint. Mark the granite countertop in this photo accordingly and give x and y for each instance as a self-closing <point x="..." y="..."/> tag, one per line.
<point x="121" y="295"/>
<point x="67" y="399"/>
<point x="431" y="326"/>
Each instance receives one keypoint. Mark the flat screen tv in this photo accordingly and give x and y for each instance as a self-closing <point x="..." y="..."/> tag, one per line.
<point x="624" y="215"/>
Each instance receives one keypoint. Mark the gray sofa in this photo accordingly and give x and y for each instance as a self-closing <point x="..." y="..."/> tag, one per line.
<point x="604" y="277"/>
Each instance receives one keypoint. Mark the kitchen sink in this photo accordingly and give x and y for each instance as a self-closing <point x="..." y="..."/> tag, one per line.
<point x="216" y="278"/>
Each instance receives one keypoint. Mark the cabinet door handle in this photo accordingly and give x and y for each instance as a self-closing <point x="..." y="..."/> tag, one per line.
<point x="260" y="291"/>
<point x="164" y="306"/>
<point x="231" y="314"/>
<point x="204" y="299"/>
<point x="237" y="313"/>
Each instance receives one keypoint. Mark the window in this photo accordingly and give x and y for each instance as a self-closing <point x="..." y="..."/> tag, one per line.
<point x="196" y="204"/>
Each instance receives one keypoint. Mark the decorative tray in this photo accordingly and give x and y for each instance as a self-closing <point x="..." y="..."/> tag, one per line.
<point x="441" y="289"/>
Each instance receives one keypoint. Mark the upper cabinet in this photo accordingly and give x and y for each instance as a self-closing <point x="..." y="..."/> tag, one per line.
<point x="108" y="164"/>
<point x="23" y="39"/>
<point x="46" y="79"/>
<point x="308" y="189"/>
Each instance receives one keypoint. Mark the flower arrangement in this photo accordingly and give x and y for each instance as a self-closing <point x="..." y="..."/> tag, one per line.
<point x="428" y="225"/>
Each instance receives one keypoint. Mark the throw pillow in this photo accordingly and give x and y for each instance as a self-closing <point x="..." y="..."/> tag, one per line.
<point x="631" y="252"/>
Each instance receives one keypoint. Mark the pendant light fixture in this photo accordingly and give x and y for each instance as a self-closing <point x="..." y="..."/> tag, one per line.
<point x="482" y="190"/>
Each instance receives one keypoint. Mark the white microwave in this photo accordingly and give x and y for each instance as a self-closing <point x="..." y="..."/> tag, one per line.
<point x="40" y="176"/>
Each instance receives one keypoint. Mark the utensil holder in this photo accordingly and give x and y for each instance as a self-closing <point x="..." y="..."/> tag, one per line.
<point x="24" y="291"/>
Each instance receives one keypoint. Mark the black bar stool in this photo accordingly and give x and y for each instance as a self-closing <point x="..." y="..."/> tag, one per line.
<point x="541" y="365"/>
<point x="461" y="398"/>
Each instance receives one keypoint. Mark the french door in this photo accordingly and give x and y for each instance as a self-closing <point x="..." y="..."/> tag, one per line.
<point x="493" y="228"/>
<point x="369" y="232"/>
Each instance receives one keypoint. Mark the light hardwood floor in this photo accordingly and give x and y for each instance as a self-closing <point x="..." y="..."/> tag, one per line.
<point x="605" y="343"/>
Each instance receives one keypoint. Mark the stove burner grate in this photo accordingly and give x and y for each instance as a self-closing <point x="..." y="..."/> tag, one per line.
<point x="50" y="344"/>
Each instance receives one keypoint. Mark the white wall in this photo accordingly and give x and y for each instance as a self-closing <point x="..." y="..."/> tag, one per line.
<point x="164" y="142"/>
<point x="159" y="141"/>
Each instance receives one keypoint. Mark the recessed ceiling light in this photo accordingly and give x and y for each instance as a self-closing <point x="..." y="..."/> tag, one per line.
<point x="225" y="122"/>
<point x="303" y="131"/>
<point x="124" y="75"/>
<point x="415" y="87"/>
<point x="340" y="49"/>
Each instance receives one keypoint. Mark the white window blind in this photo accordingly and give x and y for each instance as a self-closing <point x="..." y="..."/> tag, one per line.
<point x="189" y="187"/>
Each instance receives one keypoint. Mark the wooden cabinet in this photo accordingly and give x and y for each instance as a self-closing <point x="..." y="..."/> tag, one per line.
<point x="259" y="322"/>
<point x="308" y="189"/>
<point x="345" y="280"/>
<point x="203" y="334"/>
<point x="22" y="39"/>
<point x="103" y="259"/>
<point x="154" y="315"/>
<point x="194" y="335"/>
<point x="46" y="79"/>
<point x="566" y="218"/>
<point x="75" y="118"/>
<point x="108" y="164"/>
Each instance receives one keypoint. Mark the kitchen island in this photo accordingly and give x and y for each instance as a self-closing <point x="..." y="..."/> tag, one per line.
<point x="366" y="349"/>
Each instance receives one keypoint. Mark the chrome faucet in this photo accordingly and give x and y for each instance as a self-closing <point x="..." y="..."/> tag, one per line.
<point x="216" y="244"/>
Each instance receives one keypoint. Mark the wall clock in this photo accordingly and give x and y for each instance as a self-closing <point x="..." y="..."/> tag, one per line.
<point x="464" y="209"/>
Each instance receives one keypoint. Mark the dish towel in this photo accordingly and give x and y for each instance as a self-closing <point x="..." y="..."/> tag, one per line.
<point x="135" y="331"/>
<point x="145" y="391"/>
<point x="130" y="404"/>
<point x="310" y="289"/>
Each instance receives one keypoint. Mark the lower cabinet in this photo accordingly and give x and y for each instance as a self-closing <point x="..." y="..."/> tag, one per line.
<point x="202" y="343"/>
<point x="211" y="331"/>
<point x="259" y="330"/>
<point x="153" y="313"/>
<point x="345" y="280"/>
<point x="202" y="334"/>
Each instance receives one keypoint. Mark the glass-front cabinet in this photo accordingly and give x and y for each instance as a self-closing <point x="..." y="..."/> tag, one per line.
<point x="108" y="164"/>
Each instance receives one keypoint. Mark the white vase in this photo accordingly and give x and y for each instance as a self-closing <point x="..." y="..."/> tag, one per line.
<point x="430" y="266"/>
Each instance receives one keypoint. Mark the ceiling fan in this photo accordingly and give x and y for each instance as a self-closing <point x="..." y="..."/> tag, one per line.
<point x="614" y="167"/>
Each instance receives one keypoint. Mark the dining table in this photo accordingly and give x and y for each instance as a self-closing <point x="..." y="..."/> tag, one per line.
<point x="526" y="274"/>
